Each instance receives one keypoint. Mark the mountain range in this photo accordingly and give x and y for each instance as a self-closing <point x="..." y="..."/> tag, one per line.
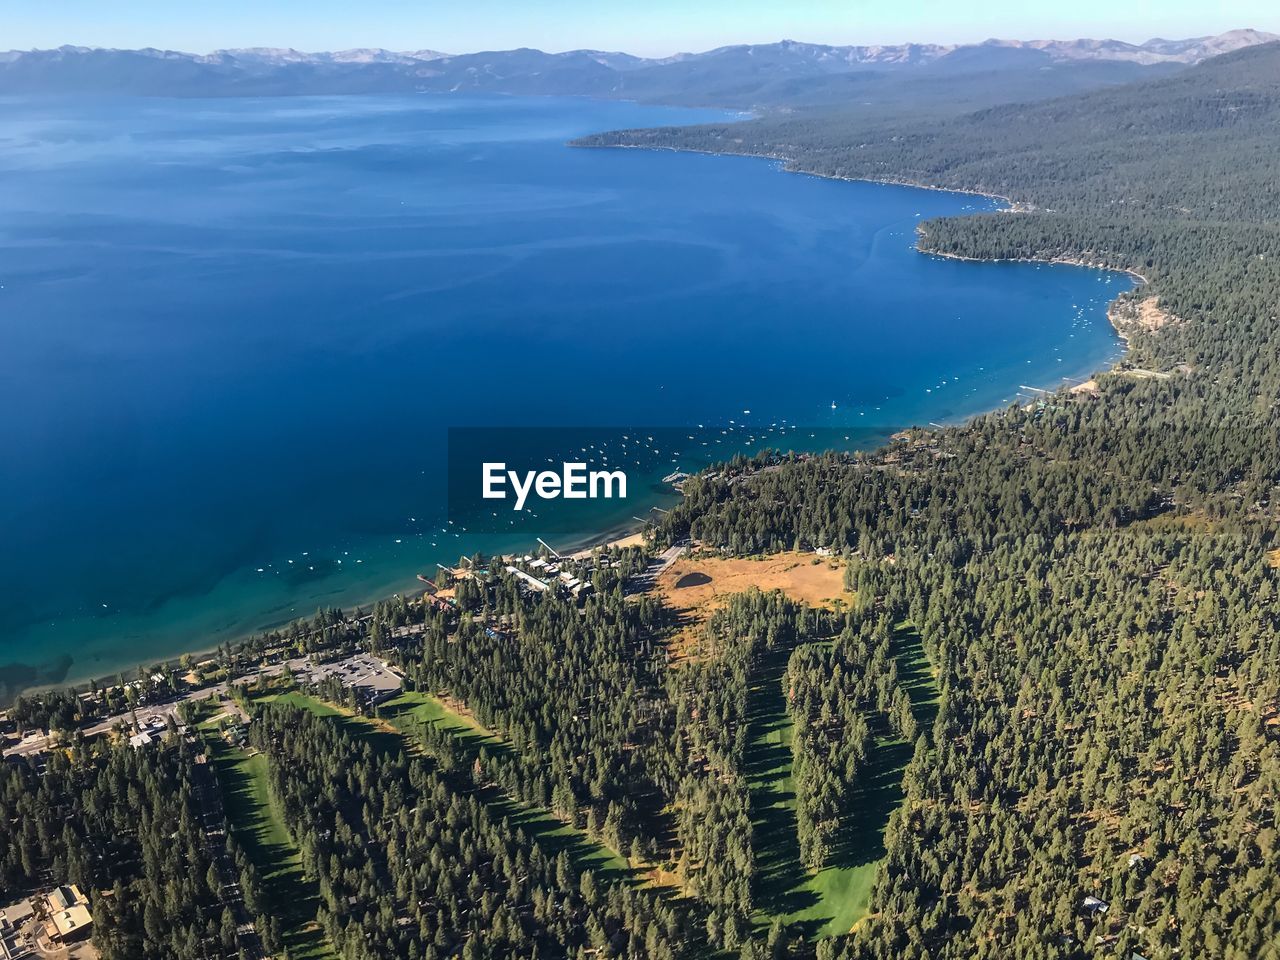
<point x="786" y="72"/>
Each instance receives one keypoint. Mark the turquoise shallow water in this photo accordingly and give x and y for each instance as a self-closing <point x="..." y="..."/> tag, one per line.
<point x="233" y="334"/>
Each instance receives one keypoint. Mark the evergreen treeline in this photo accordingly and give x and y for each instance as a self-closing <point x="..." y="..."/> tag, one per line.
<point x="709" y="692"/>
<point x="576" y="692"/>
<point x="1092" y="577"/>
<point x="832" y="690"/>
<point x="125" y="826"/>
<point x="413" y="867"/>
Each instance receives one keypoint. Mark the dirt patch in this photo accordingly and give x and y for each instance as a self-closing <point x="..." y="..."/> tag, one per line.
<point x="1273" y="559"/>
<point x="1129" y="316"/>
<point x="658" y="877"/>
<point x="1151" y="316"/>
<point x="695" y="588"/>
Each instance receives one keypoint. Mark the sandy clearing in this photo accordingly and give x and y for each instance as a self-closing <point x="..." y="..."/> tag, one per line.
<point x="819" y="584"/>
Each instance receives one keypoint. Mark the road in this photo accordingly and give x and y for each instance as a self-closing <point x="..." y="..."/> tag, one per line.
<point x="657" y="567"/>
<point x="358" y="670"/>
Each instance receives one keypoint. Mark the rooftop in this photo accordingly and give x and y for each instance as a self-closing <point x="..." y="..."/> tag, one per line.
<point x="18" y="913"/>
<point x="72" y="921"/>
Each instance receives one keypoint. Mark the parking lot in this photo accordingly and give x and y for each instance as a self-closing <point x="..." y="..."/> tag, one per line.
<point x="364" y="673"/>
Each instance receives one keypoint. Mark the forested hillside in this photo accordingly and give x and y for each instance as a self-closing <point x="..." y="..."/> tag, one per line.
<point x="412" y="864"/>
<point x="1091" y="575"/>
<point x="1177" y="179"/>
<point x="774" y="76"/>
<point x="125" y="825"/>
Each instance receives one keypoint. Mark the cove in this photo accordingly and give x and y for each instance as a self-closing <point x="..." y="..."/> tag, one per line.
<point x="233" y="334"/>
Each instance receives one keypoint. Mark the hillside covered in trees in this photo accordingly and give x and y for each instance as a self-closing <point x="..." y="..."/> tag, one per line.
<point x="1092" y="575"/>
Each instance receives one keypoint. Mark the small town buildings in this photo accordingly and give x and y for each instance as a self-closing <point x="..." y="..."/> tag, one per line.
<point x="237" y="735"/>
<point x="437" y="602"/>
<point x="152" y="730"/>
<point x="15" y="915"/>
<point x="533" y="583"/>
<point x="68" y="916"/>
<point x="13" y="944"/>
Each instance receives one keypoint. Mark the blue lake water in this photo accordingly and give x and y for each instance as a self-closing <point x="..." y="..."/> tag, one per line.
<point x="233" y="333"/>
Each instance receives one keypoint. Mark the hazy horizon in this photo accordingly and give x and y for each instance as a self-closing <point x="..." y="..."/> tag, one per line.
<point x="631" y="52"/>
<point x="658" y="28"/>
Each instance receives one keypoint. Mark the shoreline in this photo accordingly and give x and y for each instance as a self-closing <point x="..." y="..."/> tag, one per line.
<point x="628" y="532"/>
<point x="1120" y="331"/>
<point x="1061" y="261"/>
<point x="789" y="165"/>
<point x="620" y="535"/>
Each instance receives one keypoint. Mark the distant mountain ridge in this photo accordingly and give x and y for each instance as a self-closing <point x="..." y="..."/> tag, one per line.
<point x="1156" y="50"/>
<point x="787" y="72"/>
<point x="1153" y="51"/>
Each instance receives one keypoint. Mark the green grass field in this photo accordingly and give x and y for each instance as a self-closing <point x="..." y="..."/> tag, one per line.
<point x="409" y="709"/>
<point x="297" y="699"/>
<point x="832" y="900"/>
<point x="260" y="829"/>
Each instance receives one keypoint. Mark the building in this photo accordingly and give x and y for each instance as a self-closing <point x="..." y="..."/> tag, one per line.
<point x="13" y="945"/>
<point x="533" y="583"/>
<point x="237" y="735"/>
<point x="152" y="730"/>
<point x="1095" y="906"/>
<point x="15" y="915"/>
<point x="67" y="910"/>
<point x="439" y="603"/>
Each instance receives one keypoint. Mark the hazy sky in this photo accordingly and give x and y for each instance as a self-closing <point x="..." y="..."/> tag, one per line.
<point x="649" y="27"/>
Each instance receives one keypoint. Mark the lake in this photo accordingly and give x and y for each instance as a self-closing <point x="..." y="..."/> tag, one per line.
<point x="233" y="334"/>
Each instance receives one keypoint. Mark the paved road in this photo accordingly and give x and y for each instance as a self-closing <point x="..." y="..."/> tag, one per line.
<point x="657" y="567"/>
<point x="361" y="669"/>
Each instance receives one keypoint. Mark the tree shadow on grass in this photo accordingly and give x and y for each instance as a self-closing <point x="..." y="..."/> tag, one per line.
<point x="915" y="673"/>
<point x="767" y="767"/>
<point x="876" y="794"/>
<point x="878" y="791"/>
<point x="291" y="896"/>
<point x="552" y="834"/>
